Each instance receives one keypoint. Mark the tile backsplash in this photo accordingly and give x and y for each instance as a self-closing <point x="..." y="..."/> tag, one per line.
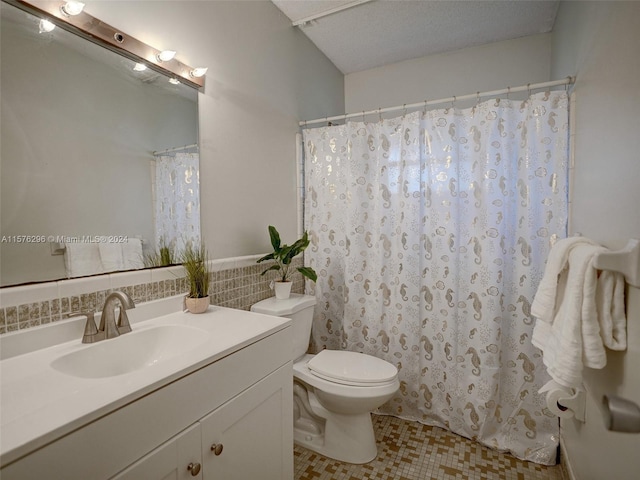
<point x="235" y="283"/>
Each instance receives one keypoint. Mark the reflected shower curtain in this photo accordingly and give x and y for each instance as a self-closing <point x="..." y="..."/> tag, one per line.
<point x="429" y="235"/>
<point x="177" y="200"/>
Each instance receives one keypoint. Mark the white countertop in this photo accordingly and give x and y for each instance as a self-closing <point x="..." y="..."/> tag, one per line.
<point x="39" y="404"/>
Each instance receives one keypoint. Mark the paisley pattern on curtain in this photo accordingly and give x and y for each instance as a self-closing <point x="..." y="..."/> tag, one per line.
<point x="429" y="235"/>
<point x="177" y="200"/>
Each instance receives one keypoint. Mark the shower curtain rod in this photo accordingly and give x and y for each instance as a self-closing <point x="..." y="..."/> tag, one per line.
<point x="304" y="21"/>
<point x="477" y="95"/>
<point x="176" y="149"/>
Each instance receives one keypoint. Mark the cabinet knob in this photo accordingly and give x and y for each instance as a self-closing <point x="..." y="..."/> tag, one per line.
<point x="217" y="448"/>
<point x="194" y="468"/>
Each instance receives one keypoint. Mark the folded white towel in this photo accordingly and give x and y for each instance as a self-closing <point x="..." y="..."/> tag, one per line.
<point x="132" y="254"/>
<point x="111" y="256"/>
<point x="577" y="313"/>
<point x="611" y="312"/>
<point x="544" y="305"/>
<point x="82" y="259"/>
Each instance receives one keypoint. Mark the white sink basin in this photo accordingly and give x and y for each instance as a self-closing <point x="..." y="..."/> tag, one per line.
<point x="131" y="351"/>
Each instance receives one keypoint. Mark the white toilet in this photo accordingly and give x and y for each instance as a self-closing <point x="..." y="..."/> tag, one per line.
<point x="334" y="391"/>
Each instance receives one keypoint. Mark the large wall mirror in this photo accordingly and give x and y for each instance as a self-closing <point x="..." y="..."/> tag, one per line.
<point x="79" y="130"/>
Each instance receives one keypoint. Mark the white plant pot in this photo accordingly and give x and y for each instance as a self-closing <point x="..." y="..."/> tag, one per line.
<point x="197" y="305"/>
<point x="282" y="289"/>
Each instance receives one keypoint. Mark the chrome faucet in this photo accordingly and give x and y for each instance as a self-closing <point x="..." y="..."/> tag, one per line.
<point x="108" y="327"/>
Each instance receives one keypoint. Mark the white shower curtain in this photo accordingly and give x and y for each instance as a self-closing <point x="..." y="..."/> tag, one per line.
<point x="429" y="235"/>
<point x="177" y="200"/>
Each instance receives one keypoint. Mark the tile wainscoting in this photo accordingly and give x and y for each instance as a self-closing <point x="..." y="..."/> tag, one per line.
<point x="235" y="283"/>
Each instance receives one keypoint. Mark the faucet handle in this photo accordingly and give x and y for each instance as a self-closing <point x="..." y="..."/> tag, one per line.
<point x="90" y="330"/>
<point x="123" y="321"/>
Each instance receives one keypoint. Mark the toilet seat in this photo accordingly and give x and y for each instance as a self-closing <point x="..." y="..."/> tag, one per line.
<point x="352" y="368"/>
<point x="301" y="372"/>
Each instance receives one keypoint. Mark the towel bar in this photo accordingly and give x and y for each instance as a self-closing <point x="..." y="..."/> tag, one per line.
<point x="625" y="261"/>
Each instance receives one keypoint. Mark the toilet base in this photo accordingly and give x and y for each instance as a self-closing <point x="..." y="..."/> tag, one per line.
<point x="346" y="438"/>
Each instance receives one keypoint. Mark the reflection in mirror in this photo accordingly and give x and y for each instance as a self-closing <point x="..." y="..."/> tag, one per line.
<point x="79" y="130"/>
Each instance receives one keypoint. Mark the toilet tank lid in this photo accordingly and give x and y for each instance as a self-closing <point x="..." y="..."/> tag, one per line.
<point x="284" y="307"/>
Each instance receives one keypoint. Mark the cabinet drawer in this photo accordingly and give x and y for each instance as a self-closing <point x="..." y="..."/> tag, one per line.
<point x="106" y="446"/>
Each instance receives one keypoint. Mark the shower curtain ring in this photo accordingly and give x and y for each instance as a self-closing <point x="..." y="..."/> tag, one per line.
<point x="508" y="92"/>
<point x="363" y="117"/>
<point x="379" y="114"/>
<point x="477" y="97"/>
<point x="453" y="101"/>
<point x="424" y="112"/>
<point x="528" y="89"/>
<point x="404" y="110"/>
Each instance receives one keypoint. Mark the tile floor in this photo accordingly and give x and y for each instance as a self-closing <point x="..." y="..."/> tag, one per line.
<point x="412" y="451"/>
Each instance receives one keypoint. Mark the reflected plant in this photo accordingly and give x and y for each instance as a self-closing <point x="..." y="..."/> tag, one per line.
<point x="164" y="257"/>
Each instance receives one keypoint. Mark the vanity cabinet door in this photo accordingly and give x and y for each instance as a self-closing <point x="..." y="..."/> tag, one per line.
<point x="176" y="459"/>
<point x="251" y="436"/>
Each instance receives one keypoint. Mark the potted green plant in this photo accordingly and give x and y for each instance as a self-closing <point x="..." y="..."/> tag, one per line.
<point x="196" y="267"/>
<point x="283" y="254"/>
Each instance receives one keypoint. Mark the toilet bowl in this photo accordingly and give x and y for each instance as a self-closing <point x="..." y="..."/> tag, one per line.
<point x="334" y="391"/>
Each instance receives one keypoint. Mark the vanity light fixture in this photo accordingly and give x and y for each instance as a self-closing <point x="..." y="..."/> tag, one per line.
<point x="71" y="8"/>
<point x="46" y="26"/>
<point x="71" y="16"/>
<point x="165" y="56"/>
<point x="139" y="67"/>
<point x="174" y="81"/>
<point x="198" y="72"/>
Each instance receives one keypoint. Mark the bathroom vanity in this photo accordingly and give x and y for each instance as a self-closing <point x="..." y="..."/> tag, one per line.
<point x="190" y="396"/>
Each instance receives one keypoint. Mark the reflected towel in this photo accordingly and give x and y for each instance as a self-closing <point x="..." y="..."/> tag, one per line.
<point x="81" y="259"/>
<point x="111" y="256"/>
<point x="132" y="254"/>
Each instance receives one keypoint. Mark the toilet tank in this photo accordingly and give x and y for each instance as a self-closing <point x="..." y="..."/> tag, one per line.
<point x="299" y="308"/>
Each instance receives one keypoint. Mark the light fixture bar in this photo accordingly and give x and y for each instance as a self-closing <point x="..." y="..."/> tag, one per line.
<point x="103" y="34"/>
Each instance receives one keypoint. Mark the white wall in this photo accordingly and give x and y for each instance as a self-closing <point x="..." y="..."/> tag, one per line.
<point x="599" y="42"/>
<point x="483" y="68"/>
<point x="264" y="76"/>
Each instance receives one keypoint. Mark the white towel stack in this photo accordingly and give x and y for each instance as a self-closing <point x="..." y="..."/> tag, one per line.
<point x="82" y="259"/>
<point x="132" y="254"/>
<point x="578" y="312"/>
<point x="111" y="256"/>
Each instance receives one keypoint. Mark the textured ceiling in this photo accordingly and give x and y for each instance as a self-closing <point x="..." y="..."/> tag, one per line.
<point x="381" y="32"/>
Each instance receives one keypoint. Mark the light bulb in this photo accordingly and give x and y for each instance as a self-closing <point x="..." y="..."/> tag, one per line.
<point x="174" y="81"/>
<point x="72" y="8"/>
<point x="139" y="67"/>
<point x="165" y="55"/>
<point x="46" y="26"/>
<point x="198" y="72"/>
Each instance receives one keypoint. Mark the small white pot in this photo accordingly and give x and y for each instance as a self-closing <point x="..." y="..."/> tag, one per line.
<point x="197" y="305"/>
<point x="282" y="289"/>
